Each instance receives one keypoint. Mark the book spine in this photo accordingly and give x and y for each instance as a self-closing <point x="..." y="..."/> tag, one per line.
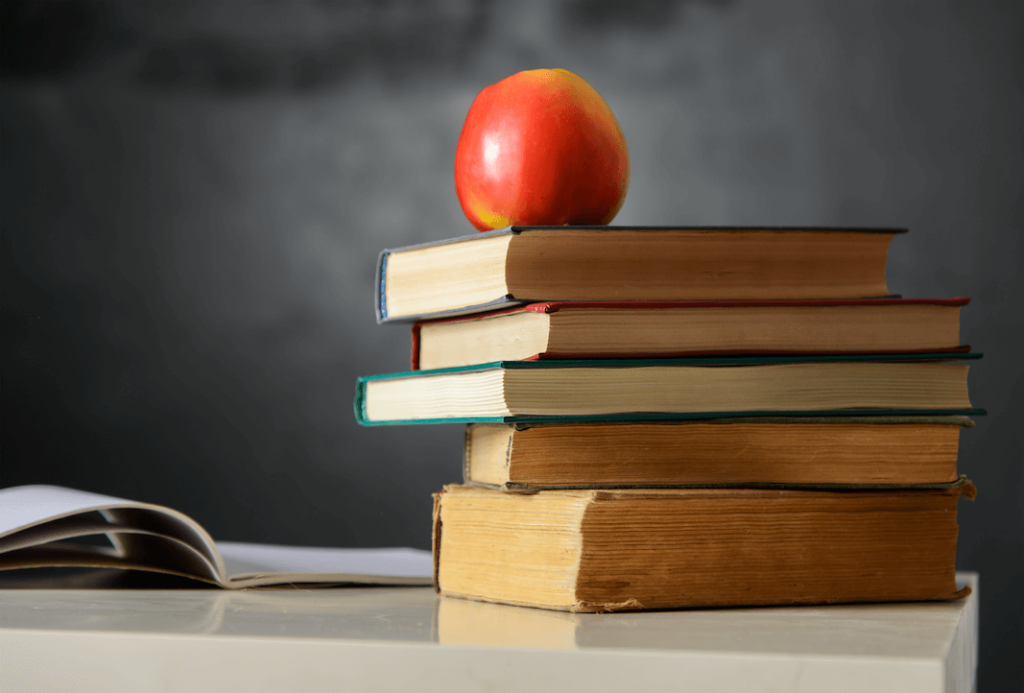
<point x="359" y="405"/>
<point x="380" y="303"/>
<point x="414" y="356"/>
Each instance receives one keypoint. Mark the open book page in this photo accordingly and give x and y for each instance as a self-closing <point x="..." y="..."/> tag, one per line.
<point x="37" y="522"/>
<point x="27" y="506"/>
<point x="252" y="565"/>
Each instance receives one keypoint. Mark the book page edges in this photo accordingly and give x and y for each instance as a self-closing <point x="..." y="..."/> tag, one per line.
<point x="380" y="285"/>
<point x="475" y="309"/>
<point x="962" y="486"/>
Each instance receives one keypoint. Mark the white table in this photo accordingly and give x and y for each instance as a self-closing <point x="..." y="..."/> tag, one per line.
<point x="409" y="639"/>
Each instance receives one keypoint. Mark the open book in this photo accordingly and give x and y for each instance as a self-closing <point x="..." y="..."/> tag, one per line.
<point x="44" y="527"/>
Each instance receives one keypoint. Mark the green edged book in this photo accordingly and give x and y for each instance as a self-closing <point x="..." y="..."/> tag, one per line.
<point x="684" y="388"/>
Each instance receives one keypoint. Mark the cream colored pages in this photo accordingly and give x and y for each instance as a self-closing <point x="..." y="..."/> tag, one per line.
<point x="37" y="521"/>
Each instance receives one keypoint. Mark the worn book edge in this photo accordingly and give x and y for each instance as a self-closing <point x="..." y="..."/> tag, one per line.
<point x="962" y="486"/>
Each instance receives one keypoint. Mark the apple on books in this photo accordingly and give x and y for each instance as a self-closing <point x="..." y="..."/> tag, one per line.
<point x="540" y="148"/>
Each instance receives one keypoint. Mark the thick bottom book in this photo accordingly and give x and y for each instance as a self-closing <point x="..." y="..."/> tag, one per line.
<point x="662" y="328"/>
<point x="615" y="550"/>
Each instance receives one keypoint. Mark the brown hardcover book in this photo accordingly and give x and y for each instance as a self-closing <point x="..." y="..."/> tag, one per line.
<point x="767" y="451"/>
<point x="490" y="270"/>
<point x="662" y="328"/>
<point x="612" y="550"/>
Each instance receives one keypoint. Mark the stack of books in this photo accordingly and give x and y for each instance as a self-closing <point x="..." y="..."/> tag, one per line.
<point x="669" y="417"/>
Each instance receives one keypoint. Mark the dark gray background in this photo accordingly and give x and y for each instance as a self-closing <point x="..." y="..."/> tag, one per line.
<point x="194" y="195"/>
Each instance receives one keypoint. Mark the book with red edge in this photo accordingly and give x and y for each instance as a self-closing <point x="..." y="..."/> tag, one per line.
<point x="659" y="329"/>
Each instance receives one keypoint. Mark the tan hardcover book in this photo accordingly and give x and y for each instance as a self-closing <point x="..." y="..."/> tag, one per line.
<point x="630" y="549"/>
<point x="631" y="330"/>
<point x="767" y="451"/>
<point x="476" y="273"/>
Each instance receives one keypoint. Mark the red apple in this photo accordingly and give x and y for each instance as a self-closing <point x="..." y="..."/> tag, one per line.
<point x="540" y="148"/>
